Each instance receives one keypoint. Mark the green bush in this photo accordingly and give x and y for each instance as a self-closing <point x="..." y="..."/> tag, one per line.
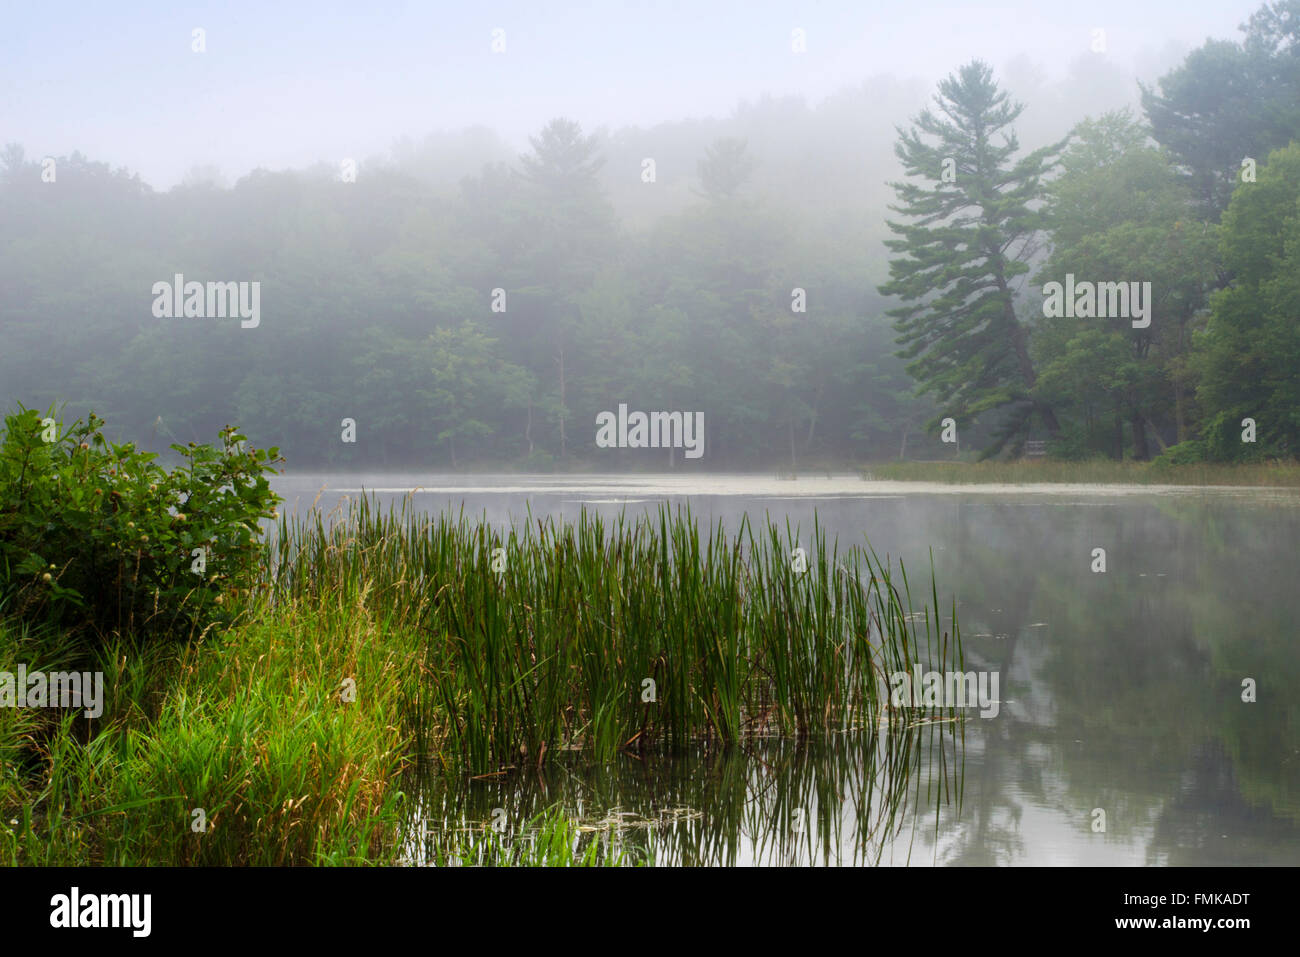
<point x="96" y="537"/>
<point x="1191" y="452"/>
<point x="538" y="460"/>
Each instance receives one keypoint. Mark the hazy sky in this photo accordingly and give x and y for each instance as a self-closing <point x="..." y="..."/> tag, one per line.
<point x="289" y="84"/>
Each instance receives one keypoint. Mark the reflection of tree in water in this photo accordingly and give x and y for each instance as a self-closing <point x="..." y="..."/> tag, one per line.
<point x="1131" y="693"/>
<point x="843" y="799"/>
<point x="992" y="833"/>
<point x="1208" y="822"/>
<point x="1127" y="696"/>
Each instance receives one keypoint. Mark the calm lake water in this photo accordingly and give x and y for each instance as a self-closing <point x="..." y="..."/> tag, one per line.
<point x="1119" y="691"/>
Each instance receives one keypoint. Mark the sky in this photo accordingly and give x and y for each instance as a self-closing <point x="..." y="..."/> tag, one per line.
<point x="291" y="84"/>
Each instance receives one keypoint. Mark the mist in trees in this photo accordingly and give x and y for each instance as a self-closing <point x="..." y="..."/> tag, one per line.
<point x="825" y="282"/>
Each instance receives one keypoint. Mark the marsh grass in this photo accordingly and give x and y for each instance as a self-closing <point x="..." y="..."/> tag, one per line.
<point x="251" y="730"/>
<point x="458" y="668"/>
<point x="630" y="634"/>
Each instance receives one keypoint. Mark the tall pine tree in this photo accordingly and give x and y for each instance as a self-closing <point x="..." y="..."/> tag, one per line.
<point x="570" y="233"/>
<point x="972" y="228"/>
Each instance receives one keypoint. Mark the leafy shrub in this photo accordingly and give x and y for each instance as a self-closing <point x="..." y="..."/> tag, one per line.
<point x="539" y="460"/>
<point x="97" y="537"/>
<point x="1071" y="446"/>
<point x="1191" y="452"/>
<point x="1222" y="439"/>
<point x="1075" y="442"/>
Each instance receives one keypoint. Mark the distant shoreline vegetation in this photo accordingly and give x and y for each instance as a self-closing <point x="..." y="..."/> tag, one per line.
<point x="729" y="266"/>
<point x="1096" y="472"/>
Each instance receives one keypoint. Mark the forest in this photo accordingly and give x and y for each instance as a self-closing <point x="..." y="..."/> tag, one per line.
<point x="819" y="300"/>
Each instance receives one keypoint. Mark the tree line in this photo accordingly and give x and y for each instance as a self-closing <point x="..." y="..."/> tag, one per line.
<point x="491" y="324"/>
<point x="1200" y="198"/>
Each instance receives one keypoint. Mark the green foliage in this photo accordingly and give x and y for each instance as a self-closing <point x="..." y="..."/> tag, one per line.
<point x="1074" y="443"/>
<point x="726" y="167"/>
<point x="96" y="536"/>
<point x="1191" y="452"/>
<point x="385" y="303"/>
<point x="1231" y="100"/>
<point x="1250" y="350"/>
<point x="1120" y="212"/>
<point x="469" y="385"/>
<point x="257" y="730"/>
<point x="677" y="295"/>
<point x="967" y="242"/>
<point x="252" y="729"/>
<point x="556" y="646"/>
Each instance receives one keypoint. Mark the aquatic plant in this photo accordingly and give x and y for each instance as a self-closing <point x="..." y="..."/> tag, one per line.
<point x="638" y="633"/>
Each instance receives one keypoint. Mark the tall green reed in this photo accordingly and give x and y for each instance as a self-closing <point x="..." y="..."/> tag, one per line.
<point x="630" y="634"/>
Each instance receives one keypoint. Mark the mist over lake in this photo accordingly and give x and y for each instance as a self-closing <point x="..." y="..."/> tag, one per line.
<point x="1202" y="598"/>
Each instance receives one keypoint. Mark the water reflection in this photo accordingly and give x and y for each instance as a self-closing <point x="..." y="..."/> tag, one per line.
<point x="1120" y="691"/>
<point x="842" y="800"/>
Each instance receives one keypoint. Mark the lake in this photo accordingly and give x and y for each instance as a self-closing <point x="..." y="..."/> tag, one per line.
<point x="1122" y="736"/>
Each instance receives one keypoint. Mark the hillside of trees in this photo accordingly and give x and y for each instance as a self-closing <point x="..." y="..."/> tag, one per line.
<point x="821" y="300"/>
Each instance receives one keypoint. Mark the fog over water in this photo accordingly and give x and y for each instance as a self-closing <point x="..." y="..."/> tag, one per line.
<point x="808" y="264"/>
<point x="1118" y="690"/>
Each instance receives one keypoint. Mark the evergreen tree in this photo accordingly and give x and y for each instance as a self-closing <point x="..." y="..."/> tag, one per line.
<point x="568" y="241"/>
<point x="970" y="235"/>
<point x="726" y="167"/>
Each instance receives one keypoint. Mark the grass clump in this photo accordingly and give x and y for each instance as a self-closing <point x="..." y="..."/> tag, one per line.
<point x="253" y="731"/>
<point x="562" y="636"/>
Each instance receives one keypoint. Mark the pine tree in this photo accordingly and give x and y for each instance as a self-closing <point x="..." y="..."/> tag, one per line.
<point x="726" y="167"/>
<point x="970" y="235"/>
<point x="570" y="231"/>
